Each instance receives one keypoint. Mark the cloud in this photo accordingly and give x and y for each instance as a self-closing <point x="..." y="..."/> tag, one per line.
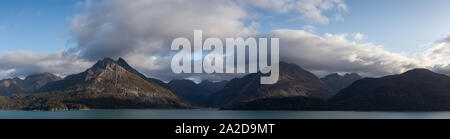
<point x="313" y="9"/>
<point x="338" y="17"/>
<point x="359" y="37"/>
<point x="6" y="73"/>
<point x="335" y="53"/>
<point x="309" y="10"/>
<point x="120" y="27"/>
<point x="442" y="68"/>
<point x="23" y="63"/>
<point x="438" y="55"/>
<point x="279" y="6"/>
<point x="309" y="28"/>
<point x="141" y="31"/>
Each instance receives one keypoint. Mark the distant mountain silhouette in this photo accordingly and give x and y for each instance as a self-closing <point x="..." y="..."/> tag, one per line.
<point x="197" y="94"/>
<point x="294" y="82"/>
<point x="338" y="82"/>
<point x="418" y="89"/>
<point x="28" y="86"/>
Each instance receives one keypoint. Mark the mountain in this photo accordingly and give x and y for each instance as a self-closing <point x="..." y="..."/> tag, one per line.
<point x="36" y="81"/>
<point x="197" y="94"/>
<point x="127" y="67"/>
<point x="30" y="85"/>
<point x="338" y="82"/>
<point x="11" y="86"/>
<point x="212" y="87"/>
<point x="293" y="82"/>
<point x="418" y="89"/>
<point x="111" y="84"/>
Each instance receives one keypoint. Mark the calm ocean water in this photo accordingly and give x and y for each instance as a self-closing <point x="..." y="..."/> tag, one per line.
<point x="216" y="114"/>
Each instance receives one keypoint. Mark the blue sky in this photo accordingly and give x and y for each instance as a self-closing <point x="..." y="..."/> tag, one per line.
<point x="40" y="26"/>
<point x="401" y="26"/>
<point x="398" y="25"/>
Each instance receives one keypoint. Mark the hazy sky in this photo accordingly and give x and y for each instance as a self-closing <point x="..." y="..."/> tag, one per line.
<point x="371" y="37"/>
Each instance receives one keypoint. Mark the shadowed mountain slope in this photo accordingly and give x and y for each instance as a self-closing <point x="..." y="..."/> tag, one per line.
<point x="418" y="89"/>
<point x="293" y="82"/>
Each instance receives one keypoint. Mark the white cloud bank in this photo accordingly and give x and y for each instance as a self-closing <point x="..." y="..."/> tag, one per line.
<point x="335" y="53"/>
<point x="439" y="55"/>
<point x="23" y="63"/>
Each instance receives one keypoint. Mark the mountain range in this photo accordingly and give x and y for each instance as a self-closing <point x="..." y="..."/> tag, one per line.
<point x="108" y="84"/>
<point x="29" y="85"/>
<point x="196" y="94"/>
<point x="114" y="84"/>
<point x="294" y="82"/>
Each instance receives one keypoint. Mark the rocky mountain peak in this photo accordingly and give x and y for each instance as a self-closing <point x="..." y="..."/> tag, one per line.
<point x="119" y="65"/>
<point x="115" y="79"/>
<point x="36" y="81"/>
<point x="105" y="63"/>
<point x="109" y="62"/>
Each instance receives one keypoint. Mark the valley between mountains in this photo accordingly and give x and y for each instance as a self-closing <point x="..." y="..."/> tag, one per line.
<point x="114" y="84"/>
